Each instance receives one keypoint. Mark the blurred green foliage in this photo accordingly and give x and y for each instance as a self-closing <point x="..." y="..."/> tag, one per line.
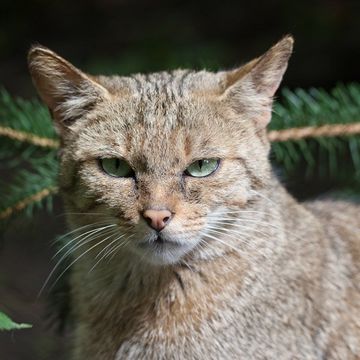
<point x="7" y="324"/>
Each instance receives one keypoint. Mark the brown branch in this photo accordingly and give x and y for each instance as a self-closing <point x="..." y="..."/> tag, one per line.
<point x="29" y="138"/>
<point x="314" y="131"/>
<point x="22" y="204"/>
<point x="273" y="136"/>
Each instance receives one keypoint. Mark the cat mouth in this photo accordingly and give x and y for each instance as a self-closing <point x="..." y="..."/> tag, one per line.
<point x="161" y="249"/>
<point x="159" y="241"/>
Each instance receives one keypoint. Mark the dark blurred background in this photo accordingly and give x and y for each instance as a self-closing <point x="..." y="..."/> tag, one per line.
<point x="109" y="36"/>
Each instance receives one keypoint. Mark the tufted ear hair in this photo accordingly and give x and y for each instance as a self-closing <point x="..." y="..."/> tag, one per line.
<point x="250" y="88"/>
<point x="68" y="92"/>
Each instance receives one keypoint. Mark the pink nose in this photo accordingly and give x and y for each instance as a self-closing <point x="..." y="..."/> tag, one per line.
<point x="157" y="219"/>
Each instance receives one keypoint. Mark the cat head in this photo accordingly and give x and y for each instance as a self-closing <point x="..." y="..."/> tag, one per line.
<point x="153" y="161"/>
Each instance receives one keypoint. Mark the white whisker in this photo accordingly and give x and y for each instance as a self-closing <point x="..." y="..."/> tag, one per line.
<point x="87" y="234"/>
<point x="115" y="249"/>
<point x="105" y="249"/>
<point x="74" y="261"/>
<point x="222" y="242"/>
<point x="60" y="238"/>
<point x="75" y="247"/>
<point x="239" y="226"/>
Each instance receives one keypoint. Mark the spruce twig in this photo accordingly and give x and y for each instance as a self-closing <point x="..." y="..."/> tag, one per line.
<point x="333" y="155"/>
<point x="22" y="204"/>
<point x="28" y="138"/>
<point x="30" y="188"/>
<point x="332" y="130"/>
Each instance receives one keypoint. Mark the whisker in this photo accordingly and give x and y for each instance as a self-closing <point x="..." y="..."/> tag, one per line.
<point x="222" y="242"/>
<point x="235" y="235"/>
<point x="142" y="257"/>
<point x="231" y="221"/>
<point x="74" y="261"/>
<point x="97" y="229"/>
<point x="88" y="239"/>
<point x="104" y="250"/>
<point x="182" y="261"/>
<point x="263" y="196"/>
<point x="238" y="211"/>
<point x="239" y="226"/>
<point x="209" y="245"/>
<point x="243" y="254"/>
<point x="107" y="246"/>
<point x="77" y="246"/>
<point x="84" y="213"/>
<point x="58" y="239"/>
<point x="92" y="224"/>
<point x="115" y="249"/>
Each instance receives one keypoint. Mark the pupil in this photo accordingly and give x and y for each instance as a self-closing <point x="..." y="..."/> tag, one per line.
<point x="117" y="163"/>
<point x="200" y="164"/>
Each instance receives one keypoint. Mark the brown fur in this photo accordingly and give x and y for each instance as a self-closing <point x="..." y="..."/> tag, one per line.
<point x="257" y="275"/>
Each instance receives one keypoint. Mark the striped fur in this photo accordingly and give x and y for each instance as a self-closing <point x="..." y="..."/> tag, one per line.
<point x="256" y="275"/>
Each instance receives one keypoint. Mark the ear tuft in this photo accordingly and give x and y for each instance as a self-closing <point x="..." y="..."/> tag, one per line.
<point x="270" y="68"/>
<point x="68" y="92"/>
<point x="251" y="87"/>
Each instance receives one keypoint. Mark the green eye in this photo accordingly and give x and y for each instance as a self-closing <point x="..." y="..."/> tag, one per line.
<point x="116" y="167"/>
<point x="202" y="168"/>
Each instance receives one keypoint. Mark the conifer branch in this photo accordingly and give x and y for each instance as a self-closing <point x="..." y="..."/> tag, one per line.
<point x="29" y="138"/>
<point x="22" y="204"/>
<point x="29" y="188"/>
<point x="273" y="135"/>
<point x="313" y="132"/>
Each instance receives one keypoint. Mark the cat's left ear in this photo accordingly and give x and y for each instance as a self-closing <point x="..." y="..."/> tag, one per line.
<point x="250" y="88"/>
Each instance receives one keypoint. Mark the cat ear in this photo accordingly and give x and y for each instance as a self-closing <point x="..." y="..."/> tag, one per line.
<point x="68" y="92"/>
<point x="250" y="88"/>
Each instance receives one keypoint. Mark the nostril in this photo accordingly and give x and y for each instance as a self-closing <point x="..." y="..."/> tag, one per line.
<point x="148" y="219"/>
<point x="166" y="219"/>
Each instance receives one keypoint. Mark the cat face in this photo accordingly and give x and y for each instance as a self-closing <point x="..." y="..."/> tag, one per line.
<point x="157" y="159"/>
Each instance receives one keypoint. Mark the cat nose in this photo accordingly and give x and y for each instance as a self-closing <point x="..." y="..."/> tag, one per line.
<point x="157" y="219"/>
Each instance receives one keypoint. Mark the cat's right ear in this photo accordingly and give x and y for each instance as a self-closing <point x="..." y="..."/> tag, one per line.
<point x="68" y="92"/>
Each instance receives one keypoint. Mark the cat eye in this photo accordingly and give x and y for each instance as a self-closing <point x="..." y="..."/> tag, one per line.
<point x="202" y="168"/>
<point x="116" y="167"/>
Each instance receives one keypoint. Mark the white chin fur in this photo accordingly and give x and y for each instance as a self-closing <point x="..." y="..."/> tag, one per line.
<point x="166" y="253"/>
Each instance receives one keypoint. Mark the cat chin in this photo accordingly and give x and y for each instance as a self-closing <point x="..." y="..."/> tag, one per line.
<point x="165" y="252"/>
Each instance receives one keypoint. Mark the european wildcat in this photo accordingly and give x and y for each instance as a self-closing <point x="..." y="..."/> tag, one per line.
<point x="189" y="248"/>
